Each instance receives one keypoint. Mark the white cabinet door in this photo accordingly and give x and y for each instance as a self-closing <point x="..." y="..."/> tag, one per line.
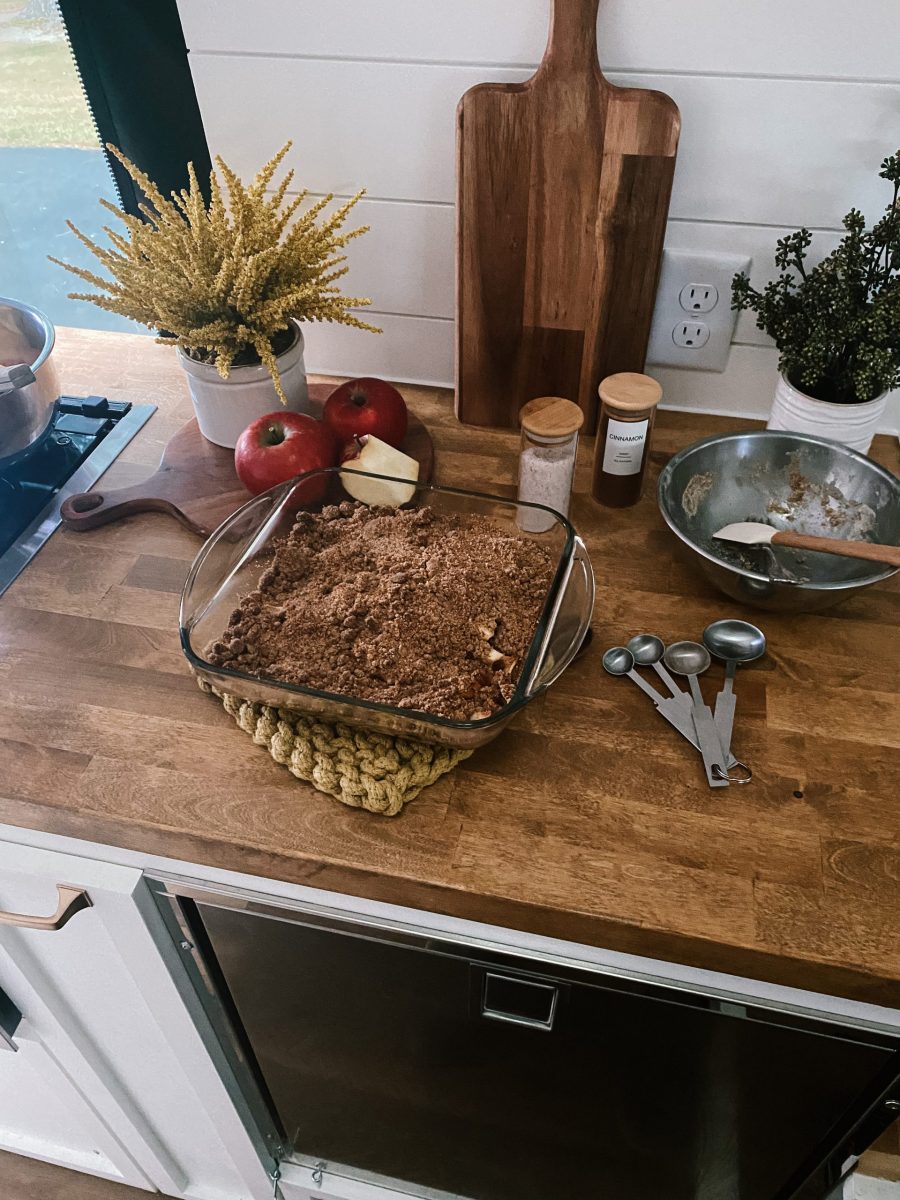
<point x="100" y="1003"/>
<point x="44" y="1114"/>
<point x="47" y="1090"/>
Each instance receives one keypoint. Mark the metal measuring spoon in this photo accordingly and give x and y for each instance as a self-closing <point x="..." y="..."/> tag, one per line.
<point x="690" y="659"/>
<point x="619" y="660"/>
<point x="648" y="651"/>
<point x="734" y="642"/>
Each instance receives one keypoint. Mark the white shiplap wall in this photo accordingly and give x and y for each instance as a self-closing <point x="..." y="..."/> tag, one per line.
<point x="788" y="107"/>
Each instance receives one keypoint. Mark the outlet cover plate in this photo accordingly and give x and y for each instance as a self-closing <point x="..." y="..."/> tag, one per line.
<point x="679" y="269"/>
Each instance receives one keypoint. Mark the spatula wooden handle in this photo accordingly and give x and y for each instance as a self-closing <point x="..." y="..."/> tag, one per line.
<point x="868" y="550"/>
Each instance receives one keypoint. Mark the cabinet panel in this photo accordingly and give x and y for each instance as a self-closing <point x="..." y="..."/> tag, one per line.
<point x="43" y="1115"/>
<point x="102" y="1000"/>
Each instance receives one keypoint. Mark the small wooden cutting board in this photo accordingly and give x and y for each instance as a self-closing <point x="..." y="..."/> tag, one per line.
<point x="196" y="483"/>
<point x="563" y="193"/>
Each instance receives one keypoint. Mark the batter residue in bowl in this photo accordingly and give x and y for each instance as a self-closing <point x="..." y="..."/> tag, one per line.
<point x="697" y="489"/>
<point x="822" y="506"/>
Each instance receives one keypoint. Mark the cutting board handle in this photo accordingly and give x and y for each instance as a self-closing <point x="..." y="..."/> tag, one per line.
<point x="572" y="43"/>
<point x="90" y="510"/>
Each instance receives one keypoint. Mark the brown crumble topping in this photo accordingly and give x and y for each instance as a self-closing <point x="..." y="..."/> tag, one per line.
<point x="406" y="607"/>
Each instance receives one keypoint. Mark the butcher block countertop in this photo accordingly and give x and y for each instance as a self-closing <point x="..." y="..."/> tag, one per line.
<point x="589" y="819"/>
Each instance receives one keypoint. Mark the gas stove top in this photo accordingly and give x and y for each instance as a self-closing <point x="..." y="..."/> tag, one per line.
<point x="87" y="434"/>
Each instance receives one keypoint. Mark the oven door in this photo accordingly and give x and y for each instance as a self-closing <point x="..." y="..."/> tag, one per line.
<point x="404" y="1057"/>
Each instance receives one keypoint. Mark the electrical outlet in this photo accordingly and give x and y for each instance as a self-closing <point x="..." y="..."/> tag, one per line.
<point x="692" y="283"/>
<point x="698" y="297"/>
<point x="690" y="334"/>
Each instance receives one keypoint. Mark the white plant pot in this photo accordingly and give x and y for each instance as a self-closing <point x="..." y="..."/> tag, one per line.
<point x="225" y="407"/>
<point x="852" y="424"/>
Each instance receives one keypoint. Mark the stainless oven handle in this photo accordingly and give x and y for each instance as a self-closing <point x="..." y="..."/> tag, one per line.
<point x="549" y="995"/>
<point x="9" y="1022"/>
<point x="71" y="901"/>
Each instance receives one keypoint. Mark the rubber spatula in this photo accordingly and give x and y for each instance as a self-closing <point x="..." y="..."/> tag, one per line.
<point x="756" y="533"/>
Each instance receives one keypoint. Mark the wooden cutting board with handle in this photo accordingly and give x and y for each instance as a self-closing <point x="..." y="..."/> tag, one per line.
<point x="563" y="193"/>
<point x="196" y="484"/>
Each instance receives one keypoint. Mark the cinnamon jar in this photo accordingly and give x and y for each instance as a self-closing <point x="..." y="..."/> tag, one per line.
<point x="627" y="408"/>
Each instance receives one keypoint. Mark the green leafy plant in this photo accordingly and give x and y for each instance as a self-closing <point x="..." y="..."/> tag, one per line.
<point x="223" y="280"/>
<point x="837" y="324"/>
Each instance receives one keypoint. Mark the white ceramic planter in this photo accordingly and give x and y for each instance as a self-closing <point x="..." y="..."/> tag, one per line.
<point x="852" y="424"/>
<point x="225" y="407"/>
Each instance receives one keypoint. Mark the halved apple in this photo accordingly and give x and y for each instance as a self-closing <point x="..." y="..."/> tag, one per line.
<point x="369" y="453"/>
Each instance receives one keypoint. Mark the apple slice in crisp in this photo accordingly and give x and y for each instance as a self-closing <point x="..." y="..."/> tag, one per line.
<point x="370" y="454"/>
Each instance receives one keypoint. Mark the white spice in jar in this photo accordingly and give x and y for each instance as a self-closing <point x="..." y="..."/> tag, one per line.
<point x="545" y="477"/>
<point x="550" y="428"/>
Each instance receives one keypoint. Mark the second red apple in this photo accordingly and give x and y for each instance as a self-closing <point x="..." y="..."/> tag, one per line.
<point x="364" y="406"/>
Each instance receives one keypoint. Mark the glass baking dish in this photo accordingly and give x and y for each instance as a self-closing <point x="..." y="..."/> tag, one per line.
<point x="235" y="555"/>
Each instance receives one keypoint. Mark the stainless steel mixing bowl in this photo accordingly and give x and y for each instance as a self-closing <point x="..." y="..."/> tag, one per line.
<point x="791" y="481"/>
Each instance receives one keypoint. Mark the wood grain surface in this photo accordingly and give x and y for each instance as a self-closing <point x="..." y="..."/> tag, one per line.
<point x="196" y="483"/>
<point x="563" y="192"/>
<point x="882" y="1161"/>
<point x="588" y="819"/>
<point x="28" y="1179"/>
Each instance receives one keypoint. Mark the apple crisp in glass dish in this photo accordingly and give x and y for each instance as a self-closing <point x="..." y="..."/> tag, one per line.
<point x="411" y="608"/>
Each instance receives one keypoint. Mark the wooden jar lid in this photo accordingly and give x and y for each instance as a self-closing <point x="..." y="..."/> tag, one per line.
<point x="551" y="417"/>
<point x="630" y="392"/>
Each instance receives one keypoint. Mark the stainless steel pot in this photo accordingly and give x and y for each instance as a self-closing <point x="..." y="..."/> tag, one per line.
<point x="29" y="388"/>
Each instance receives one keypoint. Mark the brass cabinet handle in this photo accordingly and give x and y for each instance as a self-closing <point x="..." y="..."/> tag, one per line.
<point x="71" y="901"/>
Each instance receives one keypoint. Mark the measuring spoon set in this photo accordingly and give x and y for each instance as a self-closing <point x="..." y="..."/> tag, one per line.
<point x="709" y="732"/>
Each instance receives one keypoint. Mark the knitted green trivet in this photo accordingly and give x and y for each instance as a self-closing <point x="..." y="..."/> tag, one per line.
<point x="361" y="768"/>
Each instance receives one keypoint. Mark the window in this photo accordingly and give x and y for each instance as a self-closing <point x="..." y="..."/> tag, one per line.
<point x="51" y="166"/>
<point x="54" y="116"/>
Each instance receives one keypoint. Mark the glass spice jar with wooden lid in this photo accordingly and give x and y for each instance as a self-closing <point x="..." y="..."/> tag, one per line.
<point x="550" y="428"/>
<point x="627" y="409"/>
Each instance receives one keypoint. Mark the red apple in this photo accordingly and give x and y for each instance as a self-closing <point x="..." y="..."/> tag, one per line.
<point x="281" y="445"/>
<point x="367" y="406"/>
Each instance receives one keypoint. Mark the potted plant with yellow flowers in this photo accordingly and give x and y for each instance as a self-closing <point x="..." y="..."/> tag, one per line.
<point x="228" y="282"/>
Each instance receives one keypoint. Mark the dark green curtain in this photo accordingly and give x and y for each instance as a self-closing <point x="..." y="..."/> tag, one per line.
<point x="134" y="65"/>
